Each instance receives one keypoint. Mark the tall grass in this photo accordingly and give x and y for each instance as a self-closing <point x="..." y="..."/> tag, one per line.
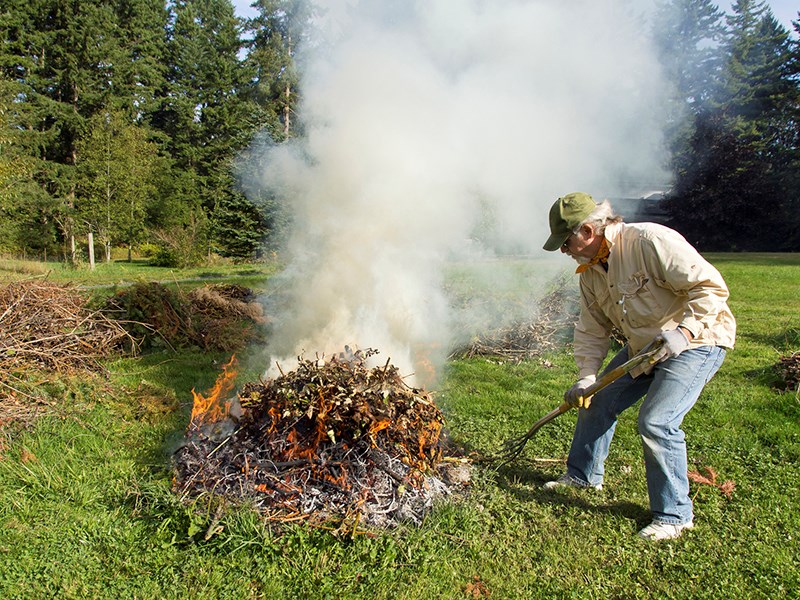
<point x="86" y="509"/>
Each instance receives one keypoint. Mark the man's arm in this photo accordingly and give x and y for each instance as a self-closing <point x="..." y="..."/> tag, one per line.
<point x="592" y="334"/>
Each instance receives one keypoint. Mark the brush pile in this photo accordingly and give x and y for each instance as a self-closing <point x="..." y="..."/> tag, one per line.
<point x="789" y="370"/>
<point x="333" y="439"/>
<point x="221" y="317"/>
<point x="522" y="339"/>
<point x="48" y="327"/>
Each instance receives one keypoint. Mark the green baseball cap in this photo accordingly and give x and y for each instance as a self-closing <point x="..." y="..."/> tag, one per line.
<point x="565" y="215"/>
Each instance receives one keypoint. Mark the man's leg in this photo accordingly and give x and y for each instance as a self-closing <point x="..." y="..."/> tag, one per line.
<point x="595" y="427"/>
<point x="675" y="388"/>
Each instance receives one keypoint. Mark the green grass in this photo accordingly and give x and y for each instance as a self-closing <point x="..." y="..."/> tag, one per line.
<point x="86" y="509"/>
<point x="122" y="272"/>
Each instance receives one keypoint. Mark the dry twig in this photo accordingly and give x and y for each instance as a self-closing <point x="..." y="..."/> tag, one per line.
<point x="788" y="368"/>
<point x="710" y="478"/>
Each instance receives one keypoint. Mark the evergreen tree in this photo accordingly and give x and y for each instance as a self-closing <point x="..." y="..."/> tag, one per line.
<point x="280" y="30"/>
<point x="689" y="36"/>
<point x="724" y="199"/>
<point x="15" y="166"/>
<point x="239" y="227"/>
<point x="205" y="113"/>
<point x="756" y="82"/>
<point x="740" y="154"/>
<point x="25" y="223"/>
<point x="139" y="76"/>
<point x="61" y="54"/>
<point x="280" y="27"/>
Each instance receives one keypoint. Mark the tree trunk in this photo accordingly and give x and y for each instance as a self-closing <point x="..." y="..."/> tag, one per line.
<point x="286" y="112"/>
<point x="91" y="250"/>
<point x="288" y="92"/>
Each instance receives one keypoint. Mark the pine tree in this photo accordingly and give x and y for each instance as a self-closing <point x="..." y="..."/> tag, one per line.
<point x="205" y="113"/>
<point x="755" y="82"/>
<point x="139" y="75"/>
<point x="62" y="56"/>
<point x="280" y="27"/>
<point x="689" y="36"/>
<point x="739" y="158"/>
<point x="21" y="211"/>
<point x="15" y="166"/>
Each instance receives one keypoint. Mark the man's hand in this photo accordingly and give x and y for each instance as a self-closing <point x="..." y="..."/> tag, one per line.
<point x="574" y="395"/>
<point x="675" y="342"/>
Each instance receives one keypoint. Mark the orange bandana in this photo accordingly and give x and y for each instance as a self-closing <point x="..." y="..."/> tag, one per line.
<point x="601" y="257"/>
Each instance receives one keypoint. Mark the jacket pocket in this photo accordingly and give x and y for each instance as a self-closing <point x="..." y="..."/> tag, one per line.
<point x="639" y="305"/>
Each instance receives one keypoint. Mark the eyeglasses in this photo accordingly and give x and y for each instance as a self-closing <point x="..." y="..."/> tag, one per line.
<point x="565" y="245"/>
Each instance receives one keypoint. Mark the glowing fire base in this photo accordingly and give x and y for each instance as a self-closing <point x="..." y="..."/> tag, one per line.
<point x="332" y="439"/>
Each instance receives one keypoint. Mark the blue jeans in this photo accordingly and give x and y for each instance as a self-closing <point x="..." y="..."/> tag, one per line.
<point x="671" y="390"/>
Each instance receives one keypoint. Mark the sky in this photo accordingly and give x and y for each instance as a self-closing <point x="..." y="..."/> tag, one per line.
<point x="784" y="10"/>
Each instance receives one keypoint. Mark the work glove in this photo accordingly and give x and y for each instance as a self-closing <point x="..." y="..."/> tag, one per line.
<point x="674" y="342"/>
<point x="574" y="395"/>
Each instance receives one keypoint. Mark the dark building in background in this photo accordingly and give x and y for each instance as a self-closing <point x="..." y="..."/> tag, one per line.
<point x="647" y="207"/>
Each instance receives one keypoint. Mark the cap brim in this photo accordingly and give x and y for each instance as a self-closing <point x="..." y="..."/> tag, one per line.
<point x="555" y="241"/>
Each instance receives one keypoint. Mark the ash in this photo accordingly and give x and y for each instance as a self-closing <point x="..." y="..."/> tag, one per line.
<point x="332" y="440"/>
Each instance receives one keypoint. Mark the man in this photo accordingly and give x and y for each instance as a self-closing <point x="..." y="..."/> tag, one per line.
<point x="651" y="284"/>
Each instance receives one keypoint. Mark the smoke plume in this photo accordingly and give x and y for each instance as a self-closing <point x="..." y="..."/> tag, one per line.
<point x="421" y="118"/>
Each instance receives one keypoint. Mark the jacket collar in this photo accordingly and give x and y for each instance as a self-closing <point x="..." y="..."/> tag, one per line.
<point x="612" y="232"/>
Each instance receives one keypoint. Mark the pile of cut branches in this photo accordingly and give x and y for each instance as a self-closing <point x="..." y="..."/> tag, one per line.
<point x="788" y="368"/>
<point x="332" y="439"/>
<point x="48" y="327"/>
<point x="222" y="317"/>
<point x="554" y="315"/>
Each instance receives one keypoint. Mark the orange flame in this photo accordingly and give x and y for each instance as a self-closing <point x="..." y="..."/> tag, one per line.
<point x="424" y="366"/>
<point x="275" y="416"/>
<point x="375" y="428"/>
<point x="339" y="481"/>
<point x="210" y="409"/>
<point x="295" y="448"/>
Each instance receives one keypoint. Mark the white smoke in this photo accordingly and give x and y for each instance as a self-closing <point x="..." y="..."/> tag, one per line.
<point x="420" y="114"/>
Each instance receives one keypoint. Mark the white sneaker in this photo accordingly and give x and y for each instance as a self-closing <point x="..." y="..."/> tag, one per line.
<point x="570" y="481"/>
<point x="663" y="531"/>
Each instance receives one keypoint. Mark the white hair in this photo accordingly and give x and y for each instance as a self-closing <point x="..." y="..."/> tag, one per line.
<point x="602" y="216"/>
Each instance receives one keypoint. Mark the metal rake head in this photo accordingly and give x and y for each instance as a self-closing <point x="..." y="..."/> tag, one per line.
<point x="514" y="447"/>
<point x="511" y="450"/>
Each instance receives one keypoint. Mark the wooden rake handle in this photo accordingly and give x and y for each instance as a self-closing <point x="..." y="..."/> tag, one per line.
<point x="647" y="355"/>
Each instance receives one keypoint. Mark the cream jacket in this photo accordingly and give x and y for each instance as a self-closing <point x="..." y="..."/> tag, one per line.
<point x="655" y="281"/>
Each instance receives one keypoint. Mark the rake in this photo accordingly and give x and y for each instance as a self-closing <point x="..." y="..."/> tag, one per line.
<point x="513" y="448"/>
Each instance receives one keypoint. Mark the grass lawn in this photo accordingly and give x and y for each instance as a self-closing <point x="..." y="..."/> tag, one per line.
<point x="121" y="272"/>
<point x="86" y="509"/>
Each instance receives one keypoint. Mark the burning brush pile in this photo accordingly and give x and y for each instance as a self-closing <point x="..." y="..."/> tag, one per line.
<point x="333" y="439"/>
